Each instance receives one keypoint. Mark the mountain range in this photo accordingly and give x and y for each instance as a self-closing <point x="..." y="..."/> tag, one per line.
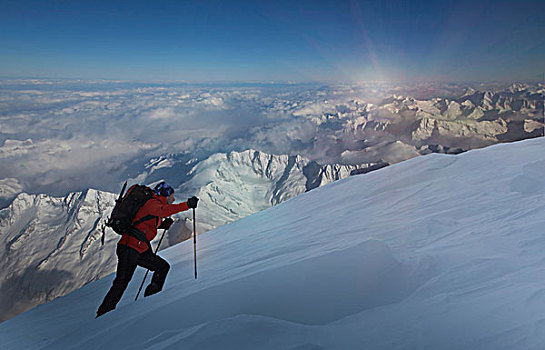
<point x="52" y="245"/>
<point x="327" y="134"/>
<point x="437" y="252"/>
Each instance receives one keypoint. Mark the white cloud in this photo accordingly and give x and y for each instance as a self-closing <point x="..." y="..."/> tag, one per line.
<point x="9" y="188"/>
<point x="63" y="136"/>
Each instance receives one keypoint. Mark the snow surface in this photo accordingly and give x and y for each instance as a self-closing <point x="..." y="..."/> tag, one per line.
<point x="437" y="252"/>
<point x="50" y="246"/>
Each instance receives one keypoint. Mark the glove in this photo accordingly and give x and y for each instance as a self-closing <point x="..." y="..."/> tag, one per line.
<point x="192" y="202"/>
<point x="165" y="225"/>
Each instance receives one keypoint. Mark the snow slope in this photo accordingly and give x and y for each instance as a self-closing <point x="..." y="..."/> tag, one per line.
<point x="50" y="246"/>
<point x="437" y="252"/>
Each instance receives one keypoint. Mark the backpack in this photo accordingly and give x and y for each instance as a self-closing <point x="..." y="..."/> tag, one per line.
<point x="126" y="207"/>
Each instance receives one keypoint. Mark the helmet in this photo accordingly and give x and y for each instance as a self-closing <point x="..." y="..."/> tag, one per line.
<point x="163" y="189"/>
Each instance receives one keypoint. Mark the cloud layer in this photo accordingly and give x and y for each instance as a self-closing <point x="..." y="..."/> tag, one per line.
<point x="63" y="136"/>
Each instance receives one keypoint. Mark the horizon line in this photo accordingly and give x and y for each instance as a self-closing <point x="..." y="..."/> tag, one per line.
<point x="264" y="81"/>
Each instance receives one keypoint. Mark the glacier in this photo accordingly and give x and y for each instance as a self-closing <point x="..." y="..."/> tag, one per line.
<point x="436" y="252"/>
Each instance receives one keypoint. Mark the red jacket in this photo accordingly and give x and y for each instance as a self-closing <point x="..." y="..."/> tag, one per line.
<point x="157" y="206"/>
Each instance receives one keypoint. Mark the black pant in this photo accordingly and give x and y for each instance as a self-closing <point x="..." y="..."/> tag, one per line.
<point x="127" y="260"/>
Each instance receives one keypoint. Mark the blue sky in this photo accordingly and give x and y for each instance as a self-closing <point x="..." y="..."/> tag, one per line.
<point x="213" y="40"/>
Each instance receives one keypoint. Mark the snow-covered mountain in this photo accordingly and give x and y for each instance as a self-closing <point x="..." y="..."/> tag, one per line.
<point x="438" y="252"/>
<point x="52" y="245"/>
<point x="325" y="133"/>
<point x="442" y="125"/>
<point x="234" y="185"/>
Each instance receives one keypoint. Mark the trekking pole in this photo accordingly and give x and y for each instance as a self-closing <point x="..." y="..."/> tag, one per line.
<point x="147" y="271"/>
<point x="195" y="242"/>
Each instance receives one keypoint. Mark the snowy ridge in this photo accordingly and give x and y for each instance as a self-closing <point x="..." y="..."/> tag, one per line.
<point x="401" y="126"/>
<point x="467" y="124"/>
<point x="237" y="184"/>
<point x="57" y="240"/>
<point x="336" y="124"/>
<point x="438" y="252"/>
<point x="50" y="247"/>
